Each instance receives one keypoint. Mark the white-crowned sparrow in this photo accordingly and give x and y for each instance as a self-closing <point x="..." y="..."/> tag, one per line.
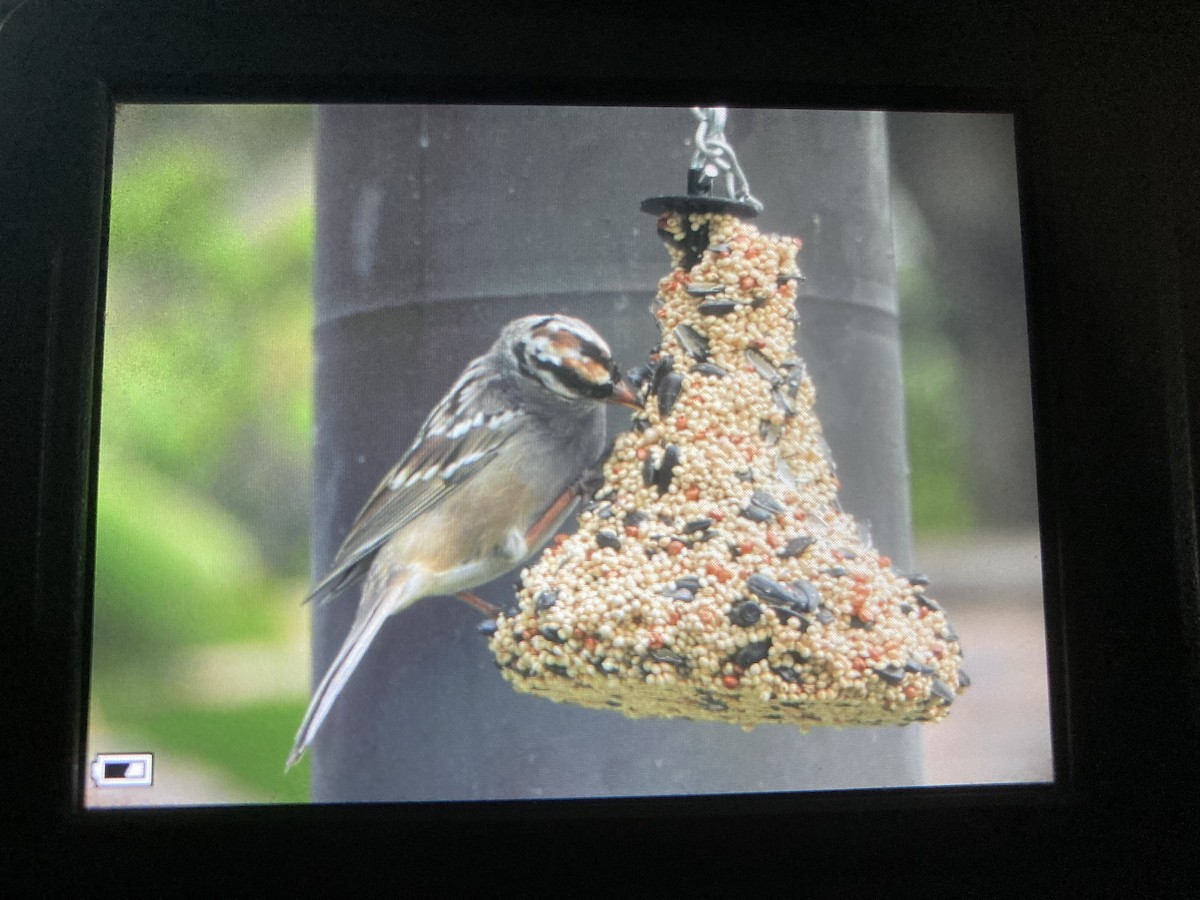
<point x="492" y="473"/>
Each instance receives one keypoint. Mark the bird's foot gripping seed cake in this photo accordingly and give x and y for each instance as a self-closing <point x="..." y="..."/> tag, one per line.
<point x="714" y="575"/>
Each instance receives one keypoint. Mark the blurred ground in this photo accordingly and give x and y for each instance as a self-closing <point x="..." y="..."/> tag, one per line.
<point x="999" y="731"/>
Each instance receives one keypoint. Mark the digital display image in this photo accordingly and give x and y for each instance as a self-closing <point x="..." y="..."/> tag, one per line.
<point x="455" y="452"/>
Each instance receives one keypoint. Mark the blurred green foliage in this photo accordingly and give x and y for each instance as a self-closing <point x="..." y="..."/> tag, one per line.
<point x="935" y="409"/>
<point x="206" y="419"/>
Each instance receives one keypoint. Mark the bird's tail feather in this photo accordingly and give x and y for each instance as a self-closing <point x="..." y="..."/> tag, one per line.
<point x="374" y="610"/>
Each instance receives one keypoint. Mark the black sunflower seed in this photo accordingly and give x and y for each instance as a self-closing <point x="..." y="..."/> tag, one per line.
<point x="856" y="622"/>
<point x="662" y="478"/>
<point x="546" y="599"/>
<point x="770" y="432"/>
<point x="609" y="540"/>
<point x="905" y="609"/>
<point x="683" y="595"/>
<point x="942" y="691"/>
<point x="488" y="627"/>
<point x="964" y="680"/>
<point x="915" y="665"/>
<point x="784" y="279"/>
<point x="635" y="517"/>
<point x="693" y="342"/>
<point x="716" y="307"/>
<point x="772" y="591"/>
<point x="807" y="591"/>
<point x="697" y="525"/>
<point x="824" y="616"/>
<point x="752" y="653"/>
<point x="648" y="471"/>
<point x="668" y="657"/>
<point x="788" y="674"/>
<point x="757" y="514"/>
<point x="763" y="366"/>
<point x="668" y="392"/>
<point x="745" y="475"/>
<point x="719" y="248"/>
<point x="783" y="401"/>
<point x="550" y="633"/>
<point x="767" y="502"/>
<point x="797" y="546"/>
<point x="707" y="368"/>
<point x="928" y="602"/>
<point x="640" y="424"/>
<point x="688" y="581"/>
<point x="837" y="572"/>
<point x="917" y="579"/>
<point x="745" y="614"/>
<point x="698" y="289"/>
<point x="948" y="633"/>
<point x="641" y="375"/>
<point x="558" y="669"/>
<point x="664" y="367"/>
<point x="891" y="674"/>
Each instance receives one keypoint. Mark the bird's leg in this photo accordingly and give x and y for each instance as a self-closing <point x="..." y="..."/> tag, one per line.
<point x="479" y="603"/>
<point x="589" y="482"/>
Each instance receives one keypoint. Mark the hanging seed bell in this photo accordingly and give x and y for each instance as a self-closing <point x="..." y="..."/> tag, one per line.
<point x="775" y="610"/>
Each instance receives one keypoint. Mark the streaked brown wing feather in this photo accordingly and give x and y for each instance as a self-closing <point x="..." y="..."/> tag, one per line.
<point x="432" y="469"/>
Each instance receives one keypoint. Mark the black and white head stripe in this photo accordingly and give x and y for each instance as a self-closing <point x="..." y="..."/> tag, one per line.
<point x="567" y="356"/>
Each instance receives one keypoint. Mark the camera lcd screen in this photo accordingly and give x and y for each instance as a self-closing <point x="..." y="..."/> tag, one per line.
<point x="811" y="511"/>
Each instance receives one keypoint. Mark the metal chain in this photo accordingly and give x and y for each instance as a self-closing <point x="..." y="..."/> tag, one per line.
<point x="714" y="156"/>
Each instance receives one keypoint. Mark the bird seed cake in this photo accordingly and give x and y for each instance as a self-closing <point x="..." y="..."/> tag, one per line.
<point x="714" y="574"/>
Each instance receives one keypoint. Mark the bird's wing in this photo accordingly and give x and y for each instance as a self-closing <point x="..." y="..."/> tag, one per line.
<point x="450" y="448"/>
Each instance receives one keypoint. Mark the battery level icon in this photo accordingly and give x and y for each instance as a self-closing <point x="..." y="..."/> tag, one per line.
<point x="123" y="769"/>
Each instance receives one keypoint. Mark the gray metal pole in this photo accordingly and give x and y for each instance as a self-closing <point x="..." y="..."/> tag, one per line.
<point x="436" y="226"/>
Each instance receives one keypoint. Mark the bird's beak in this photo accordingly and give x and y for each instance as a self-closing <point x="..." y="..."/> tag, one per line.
<point x="624" y="394"/>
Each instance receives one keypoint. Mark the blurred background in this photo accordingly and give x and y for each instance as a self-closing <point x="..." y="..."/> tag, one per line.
<point x="201" y="648"/>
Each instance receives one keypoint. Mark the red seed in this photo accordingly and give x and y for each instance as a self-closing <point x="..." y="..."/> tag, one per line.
<point x="681" y="423"/>
<point x="656" y="641"/>
<point x="691" y="492"/>
<point x="885" y="561"/>
<point x="631" y="531"/>
<point x="730" y="681"/>
<point x="589" y="643"/>
<point x="751" y="253"/>
<point x="747" y="283"/>
<point x="642" y="453"/>
<point x="718" y="572"/>
<point x="675" y="548"/>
